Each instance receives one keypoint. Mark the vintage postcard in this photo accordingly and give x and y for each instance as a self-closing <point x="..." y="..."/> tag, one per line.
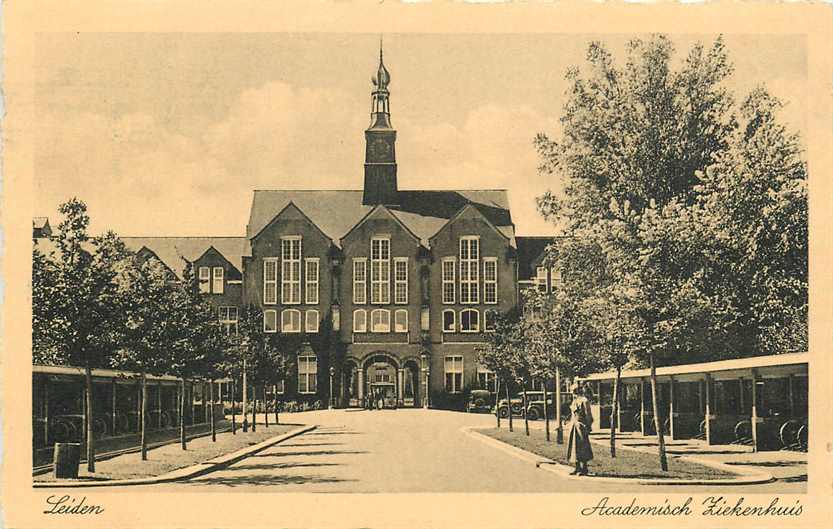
<point x="416" y="265"/>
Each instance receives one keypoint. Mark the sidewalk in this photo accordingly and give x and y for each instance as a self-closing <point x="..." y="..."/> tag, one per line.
<point x="171" y="463"/>
<point x="783" y="465"/>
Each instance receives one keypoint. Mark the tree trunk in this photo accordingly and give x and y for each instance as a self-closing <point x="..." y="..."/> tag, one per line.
<point x="663" y="461"/>
<point x="559" y="430"/>
<point x="509" y="406"/>
<point x="497" y="408"/>
<point x="546" y="411"/>
<point x="614" y="412"/>
<point x="211" y="416"/>
<point x="245" y="400"/>
<point x="275" y="395"/>
<point x="233" y="409"/>
<point x="182" y="414"/>
<point x="143" y="418"/>
<point x="265" y="408"/>
<point x="88" y="381"/>
<point x="526" y="415"/>
<point x="254" y="407"/>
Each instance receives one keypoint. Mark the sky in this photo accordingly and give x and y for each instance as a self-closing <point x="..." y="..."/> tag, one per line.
<point x="169" y="133"/>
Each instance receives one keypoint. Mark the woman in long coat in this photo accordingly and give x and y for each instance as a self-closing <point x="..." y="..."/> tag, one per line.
<point x="579" y="450"/>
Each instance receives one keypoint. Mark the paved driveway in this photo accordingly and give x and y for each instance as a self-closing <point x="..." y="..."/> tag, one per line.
<point x="406" y="450"/>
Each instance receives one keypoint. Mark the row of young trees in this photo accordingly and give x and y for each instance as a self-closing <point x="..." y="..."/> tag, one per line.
<point x="686" y="221"/>
<point x="96" y="305"/>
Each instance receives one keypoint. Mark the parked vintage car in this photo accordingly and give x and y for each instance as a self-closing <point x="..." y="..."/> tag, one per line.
<point x="516" y="406"/>
<point x="480" y="401"/>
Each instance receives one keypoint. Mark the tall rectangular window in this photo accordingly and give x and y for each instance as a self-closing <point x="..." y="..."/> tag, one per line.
<point x="454" y="374"/>
<point x="290" y="270"/>
<point x="205" y="279"/>
<point x="555" y="278"/>
<point x="359" y="281"/>
<point x="218" y="281"/>
<point x="228" y="319"/>
<point x="541" y="278"/>
<point x="400" y="280"/>
<point x="307" y="374"/>
<point x="469" y="269"/>
<point x="380" y="270"/>
<point x="490" y="280"/>
<point x="449" y="286"/>
<point x="311" y="281"/>
<point x="270" y="281"/>
<point x="486" y="379"/>
<point x="400" y="321"/>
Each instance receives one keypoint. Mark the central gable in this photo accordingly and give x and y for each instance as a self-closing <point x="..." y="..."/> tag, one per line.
<point x="379" y="220"/>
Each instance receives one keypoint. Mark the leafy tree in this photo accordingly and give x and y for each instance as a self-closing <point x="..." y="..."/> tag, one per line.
<point x="194" y="329"/>
<point x="77" y="310"/>
<point x="146" y="297"/>
<point x="499" y="353"/>
<point x="698" y="220"/>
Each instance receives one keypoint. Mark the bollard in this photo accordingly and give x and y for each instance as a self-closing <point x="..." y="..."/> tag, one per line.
<point x="66" y="458"/>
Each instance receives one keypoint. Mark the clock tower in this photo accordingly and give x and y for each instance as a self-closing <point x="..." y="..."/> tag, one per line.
<point x="380" y="139"/>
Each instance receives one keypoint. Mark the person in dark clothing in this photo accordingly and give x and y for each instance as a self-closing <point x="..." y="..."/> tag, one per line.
<point x="579" y="450"/>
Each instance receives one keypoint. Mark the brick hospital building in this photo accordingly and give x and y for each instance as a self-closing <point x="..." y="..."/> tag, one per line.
<point x="406" y="281"/>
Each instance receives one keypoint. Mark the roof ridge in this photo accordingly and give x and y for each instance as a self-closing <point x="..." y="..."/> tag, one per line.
<point x="182" y="237"/>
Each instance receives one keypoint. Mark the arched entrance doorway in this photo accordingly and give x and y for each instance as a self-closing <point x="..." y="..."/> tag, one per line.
<point x="382" y="381"/>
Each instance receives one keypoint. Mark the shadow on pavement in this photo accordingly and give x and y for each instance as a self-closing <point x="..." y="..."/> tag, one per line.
<point x="268" y="480"/>
<point x="794" y="479"/>
<point x="311" y="453"/>
<point x="768" y="463"/>
<point x="301" y="445"/>
<point x="278" y="466"/>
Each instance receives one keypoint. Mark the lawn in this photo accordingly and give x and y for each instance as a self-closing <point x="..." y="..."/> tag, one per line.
<point x="171" y="457"/>
<point x="626" y="464"/>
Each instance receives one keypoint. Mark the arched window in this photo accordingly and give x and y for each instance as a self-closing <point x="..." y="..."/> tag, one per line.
<point x="291" y="321"/>
<point x="380" y="320"/>
<point x="400" y="321"/>
<point x="360" y="320"/>
<point x="489" y="317"/>
<point x="311" y="322"/>
<point x="469" y="320"/>
<point x="270" y="321"/>
<point x="307" y="373"/>
<point x="449" y="320"/>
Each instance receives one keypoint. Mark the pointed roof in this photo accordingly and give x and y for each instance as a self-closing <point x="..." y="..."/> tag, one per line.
<point x="171" y="250"/>
<point x="471" y="207"/>
<point x="530" y="249"/>
<point x="335" y="212"/>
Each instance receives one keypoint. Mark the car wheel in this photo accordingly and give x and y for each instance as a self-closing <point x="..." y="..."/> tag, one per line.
<point x="504" y="413"/>
<point x="532" y="414"/>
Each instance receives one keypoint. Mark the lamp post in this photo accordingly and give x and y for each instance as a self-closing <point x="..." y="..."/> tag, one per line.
<point x="332" y="373"/>
<point x="425" y="369"/>
<point x="244" y="344"/>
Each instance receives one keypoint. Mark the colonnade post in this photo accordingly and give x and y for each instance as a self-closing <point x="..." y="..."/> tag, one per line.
<point x="708" y="411"/>
<point x="642" y="406"/>
<point x="671" y="411"/>
<point x="754" y="419"/>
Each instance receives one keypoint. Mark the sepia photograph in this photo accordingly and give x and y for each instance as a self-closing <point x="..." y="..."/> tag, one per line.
<point x="382" y="261"/>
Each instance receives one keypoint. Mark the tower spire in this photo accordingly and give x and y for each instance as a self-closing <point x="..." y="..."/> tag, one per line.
<point x="380" y="138"/>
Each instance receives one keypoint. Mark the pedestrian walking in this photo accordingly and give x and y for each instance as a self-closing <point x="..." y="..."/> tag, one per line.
<point x="579" y="450"/>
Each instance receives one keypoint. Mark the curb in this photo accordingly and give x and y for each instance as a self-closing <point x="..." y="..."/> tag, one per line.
<point x="182" y="473"/>
<point x="745" y="477"/>
<point x="45" y="469"/>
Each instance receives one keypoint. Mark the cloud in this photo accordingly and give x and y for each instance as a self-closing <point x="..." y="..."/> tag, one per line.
<point x="144" y="176"/>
